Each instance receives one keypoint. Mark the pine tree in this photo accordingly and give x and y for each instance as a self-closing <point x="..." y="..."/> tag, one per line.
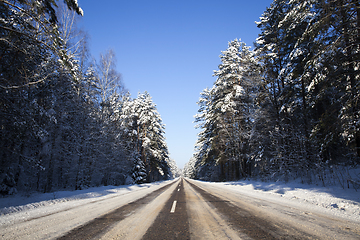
<point x="337" y="31"/>
<point x="234" y="93"/>
<point x="138" y="171"/>
<point x="300" y="113"/>
<point x="144" y="132"/>
<point x="283" y="52"/>
<point x="225" y="114"/>
<point x="154" y="150"/>
<point x="204" y="150"/>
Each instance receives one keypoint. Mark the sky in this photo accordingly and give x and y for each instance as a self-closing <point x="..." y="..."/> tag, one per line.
<point x="170" y="49"/>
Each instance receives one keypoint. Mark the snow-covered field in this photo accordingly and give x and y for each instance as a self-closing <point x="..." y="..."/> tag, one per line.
<point x="334" y="200"/>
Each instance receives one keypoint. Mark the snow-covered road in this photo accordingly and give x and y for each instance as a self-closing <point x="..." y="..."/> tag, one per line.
<point x="283" y="210"/>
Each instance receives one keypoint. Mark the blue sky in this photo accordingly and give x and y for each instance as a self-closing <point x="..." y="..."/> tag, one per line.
<point x="170" y="49"/>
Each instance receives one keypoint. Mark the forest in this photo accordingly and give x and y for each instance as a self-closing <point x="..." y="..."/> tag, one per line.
<point x="66" y="119"/>
<point x="289" y="108"/>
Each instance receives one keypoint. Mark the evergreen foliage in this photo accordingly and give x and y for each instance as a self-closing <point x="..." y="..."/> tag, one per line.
<point x="290" y="108"/>
<point x="64" y="121"/>
<point x="145" y="129"/>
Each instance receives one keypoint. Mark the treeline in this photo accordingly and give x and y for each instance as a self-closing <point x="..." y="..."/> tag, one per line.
<point x="291" y="107"/>
<point x="67" y="121"/>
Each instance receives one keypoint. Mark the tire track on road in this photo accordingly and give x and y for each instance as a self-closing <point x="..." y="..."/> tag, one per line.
<point x="171" y="224"/>
<point x="245" y="222"/>
<point x="205" y="221"/>
<point x="99" y="226"/>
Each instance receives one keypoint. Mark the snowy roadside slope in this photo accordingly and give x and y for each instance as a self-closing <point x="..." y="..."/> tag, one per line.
<point x="344" y="203"/>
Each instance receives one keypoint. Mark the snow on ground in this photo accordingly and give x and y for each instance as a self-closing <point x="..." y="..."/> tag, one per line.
<point x="335" y="200"/>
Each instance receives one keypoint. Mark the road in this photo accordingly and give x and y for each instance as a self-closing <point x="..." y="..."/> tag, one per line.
<point x="183" y="209"/>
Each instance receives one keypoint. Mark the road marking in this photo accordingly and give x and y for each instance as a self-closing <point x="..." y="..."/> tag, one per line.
<point x="179" y="189"/>
<point x="173" y="207"/>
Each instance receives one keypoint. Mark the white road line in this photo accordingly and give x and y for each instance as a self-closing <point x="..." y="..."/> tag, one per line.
<point x="173" y="207"/>
<point x="179" y="189"/>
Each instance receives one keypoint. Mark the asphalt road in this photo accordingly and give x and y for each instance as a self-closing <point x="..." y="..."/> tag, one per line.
<point x="187" y="209"/>
<point x="183" y="209"/>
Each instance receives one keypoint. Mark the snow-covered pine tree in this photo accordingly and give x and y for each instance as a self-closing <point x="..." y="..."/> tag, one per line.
<point x="305" y="113"/>
<point x="189" y="170"/>
<point x="226" y="115"/>
<point x="175" y="172"/>
<point x="233" y="94"/>
<point x="205" y="153"/>
<point x="144" y="131"/>
<point x="151" y="130"/>
<point x="308" y="57"/>
<point x="138" y="172"/>
<point x="335" y="88"/>
<point x="283" y="59"/>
